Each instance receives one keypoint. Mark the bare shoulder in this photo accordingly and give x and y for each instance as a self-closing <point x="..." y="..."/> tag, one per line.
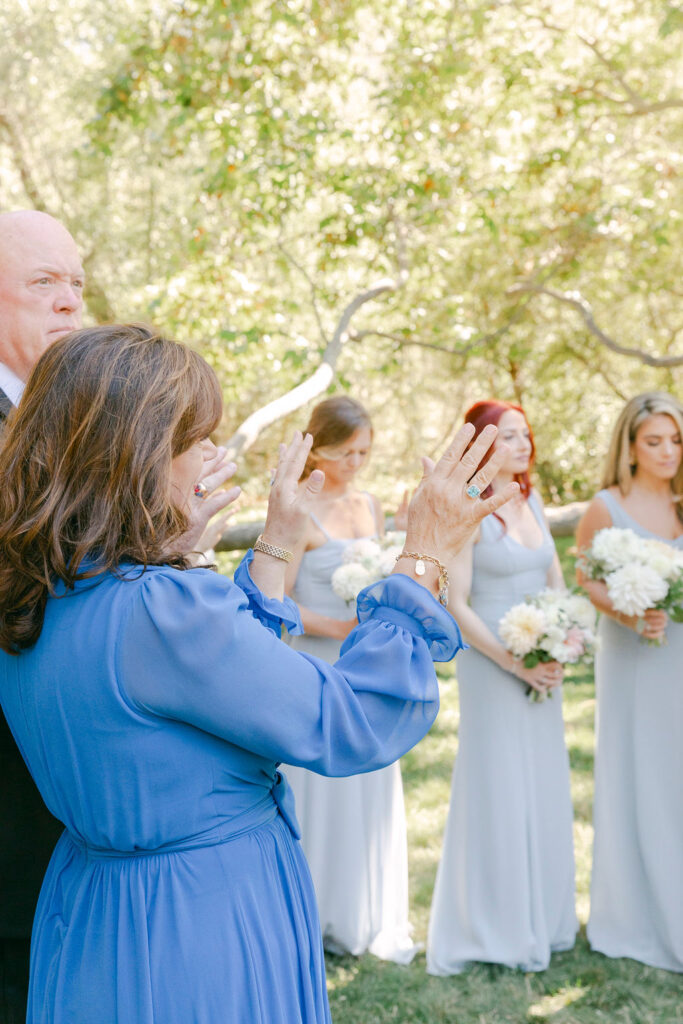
<point x="375" y="501"/>
<point x="534" y="493"/>
<point x="596" y="517"/>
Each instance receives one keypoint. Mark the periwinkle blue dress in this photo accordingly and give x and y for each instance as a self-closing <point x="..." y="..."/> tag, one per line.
<point x="505" y="885"/>
<point x="637" y="879"/>
<point x="152" y="713"/>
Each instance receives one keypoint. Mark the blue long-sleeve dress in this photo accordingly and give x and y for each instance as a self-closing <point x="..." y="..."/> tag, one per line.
<point x="152" y="713"/>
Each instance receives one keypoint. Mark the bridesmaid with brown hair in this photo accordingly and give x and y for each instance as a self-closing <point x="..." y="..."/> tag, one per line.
<point x="353" y="829"/>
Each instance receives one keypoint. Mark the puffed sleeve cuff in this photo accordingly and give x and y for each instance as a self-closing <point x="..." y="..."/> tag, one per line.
<point x="403" y="602"/>
<point x="268" y="610"/>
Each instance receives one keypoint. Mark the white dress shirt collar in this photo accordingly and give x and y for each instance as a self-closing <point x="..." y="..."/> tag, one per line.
<point x="12" y="385"/>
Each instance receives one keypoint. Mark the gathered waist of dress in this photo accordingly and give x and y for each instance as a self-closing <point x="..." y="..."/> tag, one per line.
<point x="281" y="803"/>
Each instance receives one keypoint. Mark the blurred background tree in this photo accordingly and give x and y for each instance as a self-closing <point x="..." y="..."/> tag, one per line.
<point x="492" y="190"/>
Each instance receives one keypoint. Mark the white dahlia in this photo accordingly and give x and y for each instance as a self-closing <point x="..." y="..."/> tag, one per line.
<point x="348" y="580"/>
<point x="388" y="559"/>
<point x="521" y="628"/>
<point x="614" y="547"/>
<point x="365" y="552"/>
<point x="635" y="588"/>
<point x="664" y="559"/>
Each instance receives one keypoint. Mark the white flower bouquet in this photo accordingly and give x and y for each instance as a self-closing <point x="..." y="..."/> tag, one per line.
<point x="639" y="573"/>
<point x="554" y="625"/>
<point x="366" y="561"/>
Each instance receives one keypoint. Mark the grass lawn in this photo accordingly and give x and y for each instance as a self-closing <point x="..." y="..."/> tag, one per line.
<point x="579" y="987"/>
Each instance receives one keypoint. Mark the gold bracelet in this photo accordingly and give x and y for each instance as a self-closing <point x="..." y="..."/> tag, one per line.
<point x="420" y="571"/>
<point x="269" y="549"/>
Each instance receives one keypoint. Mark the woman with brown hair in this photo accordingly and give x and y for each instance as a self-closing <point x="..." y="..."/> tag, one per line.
<point x="153" y="702"/>
<point x="353" y="830"/>
<point x="637" y="879"/>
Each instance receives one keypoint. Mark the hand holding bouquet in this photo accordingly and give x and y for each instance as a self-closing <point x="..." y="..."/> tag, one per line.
<point x="365" y="562"/>
<point x="639" y="573"/>
<point x="554" y="626"/>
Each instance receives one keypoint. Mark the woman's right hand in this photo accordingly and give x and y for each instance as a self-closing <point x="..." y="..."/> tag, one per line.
<point x="651" y="625"/>
<point x="542" y="677"/>
<point x="342" y="627"/>
<point x="441" y="516"/>
<point x="290" y="501"/>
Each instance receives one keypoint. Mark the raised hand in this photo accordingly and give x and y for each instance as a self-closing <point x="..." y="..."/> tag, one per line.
<point x="202" y="534"/>
<point x="442" y="516"/>
<point x="289" y="502"/>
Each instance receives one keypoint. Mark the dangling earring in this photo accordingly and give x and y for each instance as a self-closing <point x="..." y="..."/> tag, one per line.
<point x="632" y="462"/>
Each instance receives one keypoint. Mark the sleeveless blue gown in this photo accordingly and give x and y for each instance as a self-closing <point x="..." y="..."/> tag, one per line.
<point x="637" y="880"/>
<point x="505" y="885"/>
<point x="353" y="830"/>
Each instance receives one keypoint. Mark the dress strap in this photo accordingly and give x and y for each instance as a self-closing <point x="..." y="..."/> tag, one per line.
<point x="612" y="505"/>
<point x="537" y="510"/>
<point x="371" y="503"/>
<point x="314" y="519"/>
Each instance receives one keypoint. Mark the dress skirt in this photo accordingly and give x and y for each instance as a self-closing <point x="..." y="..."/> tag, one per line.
<point x="637" y="881"/>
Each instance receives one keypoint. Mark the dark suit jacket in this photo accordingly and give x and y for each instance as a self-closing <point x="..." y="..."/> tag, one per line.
<point x="28" y="832"/>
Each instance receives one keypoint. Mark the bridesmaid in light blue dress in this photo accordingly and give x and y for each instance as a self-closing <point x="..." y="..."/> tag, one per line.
<point x="637" y="880"/>
<point x="353" y="830"/>
<point x="505" y="884"/>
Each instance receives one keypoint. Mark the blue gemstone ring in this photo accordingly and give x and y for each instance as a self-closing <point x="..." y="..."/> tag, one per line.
<point x="473" y="491"/>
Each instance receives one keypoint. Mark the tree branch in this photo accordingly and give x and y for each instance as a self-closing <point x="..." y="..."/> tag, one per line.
<point x="96" y="298"/>
<point x="562" y="520"/>
<point x="480" y="340"/>
<point x="639" y="106"/>
<point x="600" y="370"/>
<point x="311" y="285"/>
<point x="582" y="307"/>
<point x="21" y="162"/>
<point x="248" y="431"/>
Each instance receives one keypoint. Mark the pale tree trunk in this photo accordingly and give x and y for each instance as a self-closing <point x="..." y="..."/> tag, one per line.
<point x="562" y="519"/>
<point x="248" y="431"/>
<point x="95" y="296"/>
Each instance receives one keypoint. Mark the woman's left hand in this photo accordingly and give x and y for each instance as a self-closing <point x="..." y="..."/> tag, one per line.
<point x="201" y="534"/>
<point x="290" y="501"/>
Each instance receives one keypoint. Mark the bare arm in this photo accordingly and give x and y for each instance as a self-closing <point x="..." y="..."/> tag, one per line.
<point x="555" y="577"/>
<point x="316" y="624"/>
<point x="379" y="515"/>
<point x="473" y="628"/>
<point x="596" y="517"/>
<point x="653" y="623"/>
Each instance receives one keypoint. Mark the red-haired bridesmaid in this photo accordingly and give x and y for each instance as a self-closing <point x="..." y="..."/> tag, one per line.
<point x="505" y="885"/>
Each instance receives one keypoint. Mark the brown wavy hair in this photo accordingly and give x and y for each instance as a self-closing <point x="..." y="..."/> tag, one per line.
<point x="332" y="422"/>
<point x="85" y="464"/>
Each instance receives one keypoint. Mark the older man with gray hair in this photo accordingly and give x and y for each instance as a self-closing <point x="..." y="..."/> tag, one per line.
<point x="41" y="300"/>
